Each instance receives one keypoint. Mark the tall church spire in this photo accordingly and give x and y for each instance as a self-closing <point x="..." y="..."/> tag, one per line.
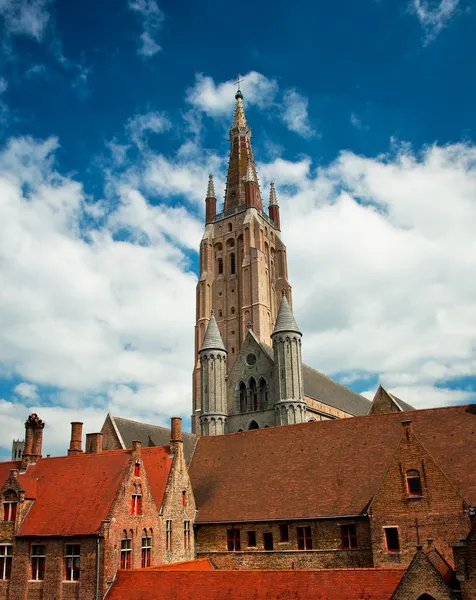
<point x="241" y="166"/>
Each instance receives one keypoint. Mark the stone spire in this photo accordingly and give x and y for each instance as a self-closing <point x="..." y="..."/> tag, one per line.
<point x="241" y="166"/>
<point x="212" y="340"/>
<point x="273" y="200"/>
<point x="285" y="320"/>
<point x="211" y="187"/>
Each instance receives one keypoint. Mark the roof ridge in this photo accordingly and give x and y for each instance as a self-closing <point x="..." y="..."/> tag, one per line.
<point x="141" y="422"/>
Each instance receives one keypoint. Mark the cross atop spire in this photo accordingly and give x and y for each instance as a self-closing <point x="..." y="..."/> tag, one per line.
<point x="239" y="93"/>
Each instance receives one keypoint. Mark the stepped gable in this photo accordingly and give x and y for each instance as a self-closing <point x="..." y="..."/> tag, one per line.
<point x="324" y="584"/>
<point x="345" y="458"/>
<point x="150" y="435"/>
<point x="73" y="494"/>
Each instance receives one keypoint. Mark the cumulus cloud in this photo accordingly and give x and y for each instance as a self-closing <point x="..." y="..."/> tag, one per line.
<point x="391" y="291"/>
<point x="25" y="17"/>
<point x="433" y="16"/>
<point x="295" y="114"/>
<point x="145" y="123"/>
<point x="27" y="390"/>
<point x="151" y="18"/>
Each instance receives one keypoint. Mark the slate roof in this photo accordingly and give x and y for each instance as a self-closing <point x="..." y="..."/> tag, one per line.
<point x="212" y="339"/>
<point x="285" y="320"/>
<point x="73" y="494"/>
<point x="347" y="458"/>
<point x="324" y="389"/>
<point x="400" y="403"/>
<point x="324" y="584"/>
<point x="151" y="435"/>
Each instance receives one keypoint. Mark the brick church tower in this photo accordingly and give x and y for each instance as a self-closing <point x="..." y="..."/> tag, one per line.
<point x="243" y="267"/>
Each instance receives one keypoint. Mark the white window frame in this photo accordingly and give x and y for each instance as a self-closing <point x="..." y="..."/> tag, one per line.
<point x="168" y="535"/>
<point x="6" y="553"/>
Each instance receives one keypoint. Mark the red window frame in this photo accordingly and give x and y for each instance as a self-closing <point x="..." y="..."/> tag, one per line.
<point x="233" y="540"/>
<point x="349" y="536"/>
<point x="396" y="546"/>
<point x="6" y="552"/>
<point x="414" y="487"/>
<point x="137" y="470"/>
<point x="284" y="533"/>
<point x="136" y="504"/>
<point x="184" y="498"/>
<point x="72" y="562"/>
<point x="304" y="538"/>
<point x="10" y="511"/>
<point x="146" y="551"/>
<point x="126" y="553"/>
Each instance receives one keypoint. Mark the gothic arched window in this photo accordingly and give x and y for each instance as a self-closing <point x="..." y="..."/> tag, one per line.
<point x="232" y="263"/>
<point x="242" y="397"/>
<point x="230" y="226"/>
<point x="253" y="425"/>
<point x="253" y="395"/>
<point x="263" y="393"/>
<point x="220" y="266"/>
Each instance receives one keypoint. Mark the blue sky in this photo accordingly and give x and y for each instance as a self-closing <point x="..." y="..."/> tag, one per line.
<point x="112" y="114"/>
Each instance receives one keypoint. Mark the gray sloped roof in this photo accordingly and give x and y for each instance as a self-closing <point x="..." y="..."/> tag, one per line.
<point x="400" y="403"/>
<point x="324" y="389"/>
<point x="152" y="435"/>
<point x="285" y="320"/>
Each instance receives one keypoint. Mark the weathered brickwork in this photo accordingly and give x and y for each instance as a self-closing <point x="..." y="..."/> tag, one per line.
<point x="326" y="551"/>
<point x="438" y="513"/>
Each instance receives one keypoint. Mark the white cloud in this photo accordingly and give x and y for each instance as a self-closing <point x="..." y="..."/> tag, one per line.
<point x="150" y="122"/>
<point x="433" y="16"/>
<point x="27" y="390"/>
<point x="295" y="114"/>
<point x="218" y="100"/>
<point x="151" y="18"/>
<point x="356" y="122"/>
<point x="25" y="17"/>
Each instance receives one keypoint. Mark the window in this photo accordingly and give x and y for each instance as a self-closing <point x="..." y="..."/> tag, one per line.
<point x="230" y="226"/>
<point x="253" y="394"/>
<point x="251" y="539"/>
<point x="5" y="561"/>
<point x="220" y="266"/>
<point x="232" y="310"/>
<point x="186" y="535"/>
<point x="283" y="533"/>
<point x="349" y="536"/>
<point x="168" y="535"/>
<point x="414" y="483"/>
<point x="232" y="263"/>
<point x="126" y="553"/>
<point x="233" y="537"/>
<point x="136" y="505"/>
<point x="184" y="498"/>
<point x="146" y="549"/>
<point x="72" y="561"/>
<point x="38" y="558"/>
<point x="392" y="542"/>
<point x="304" y="538"/>
<point x="137" y="470"/>
<point x="268" y="541"/>
<point x="10" y="511"/>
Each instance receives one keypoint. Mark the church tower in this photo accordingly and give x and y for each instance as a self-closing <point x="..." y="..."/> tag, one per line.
<point x="243" y="266"/>
<point x="290" y="406"/>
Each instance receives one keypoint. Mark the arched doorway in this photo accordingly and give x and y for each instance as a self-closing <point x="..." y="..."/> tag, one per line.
<point x="253" y="425"/>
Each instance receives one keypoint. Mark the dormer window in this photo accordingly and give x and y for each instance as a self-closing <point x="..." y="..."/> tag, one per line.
<point x="10" y="505"/>
<point x="414" y="483"/>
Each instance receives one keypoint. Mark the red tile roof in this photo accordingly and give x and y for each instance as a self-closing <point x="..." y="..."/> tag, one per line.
<point x="323" y="468"/>
<point x="73" y="494"/>
<point x="328" y="584"/>
<point x="200" y="564"/>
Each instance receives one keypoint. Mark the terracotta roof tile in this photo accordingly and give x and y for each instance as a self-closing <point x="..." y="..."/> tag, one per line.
<point x="328" y="584"/>
<point x="73" y="494"/>
<point x="323" y="468"/>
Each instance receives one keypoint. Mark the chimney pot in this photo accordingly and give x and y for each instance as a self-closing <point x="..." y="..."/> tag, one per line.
<point x="136" y="446"/>
<point x="75" y="444"/>
<point x="94" y="443"/>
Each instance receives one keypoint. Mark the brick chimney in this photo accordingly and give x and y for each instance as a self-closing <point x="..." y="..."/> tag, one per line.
<point x="75" y="444"/>
<point x="94" y="443"/>
<point x="176" y="439"/>
<point x="407" y="427"/>
<point x="33" y="440"/>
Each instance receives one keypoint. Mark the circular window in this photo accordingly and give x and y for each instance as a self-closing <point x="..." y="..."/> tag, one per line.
<point x="251" y="359"/>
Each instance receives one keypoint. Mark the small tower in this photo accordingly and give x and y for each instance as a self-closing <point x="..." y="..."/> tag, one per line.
<point x="274" y="207"/>
<point x="290" y="406"/>
<point x="210" y="201"/>
<point x="213" y="381"/>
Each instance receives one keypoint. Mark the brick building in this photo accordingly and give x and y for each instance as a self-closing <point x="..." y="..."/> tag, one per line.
<point x="69" y="523"/>
<point x="351" y="493"/>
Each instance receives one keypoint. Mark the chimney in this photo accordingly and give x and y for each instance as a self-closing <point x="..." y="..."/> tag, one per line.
<point x="176" y="440"/>
<point x="136" y="448"/>
<point x="407" y="427"/>
<point x="33" y="440"/>
<point x="76" y="438"/>
<point x="94" y="443"/>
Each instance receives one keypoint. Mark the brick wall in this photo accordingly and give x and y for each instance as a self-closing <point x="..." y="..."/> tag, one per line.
<point x="326" y="546"/>
<point x="440" y="511"/>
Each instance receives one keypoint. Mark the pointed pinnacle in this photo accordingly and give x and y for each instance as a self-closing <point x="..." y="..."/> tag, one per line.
<point x="285" y="320"/>
<point x="240" y="118"/>
<point x="212" y="339"/>
<point x="211" y="187"/>
<point x="273" y="199"/>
